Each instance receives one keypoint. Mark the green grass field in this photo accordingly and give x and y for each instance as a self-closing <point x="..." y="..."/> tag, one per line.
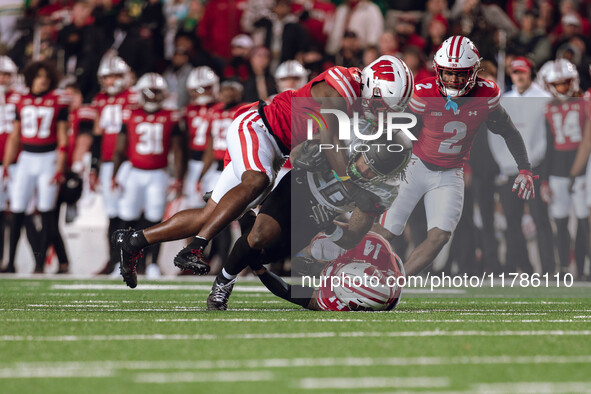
<point x="97" y="336"/>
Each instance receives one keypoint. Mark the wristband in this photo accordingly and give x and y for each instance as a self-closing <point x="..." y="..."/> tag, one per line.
<point x="340" y="178"/>
<point x="336" y="235"/>
<point x="62" y="148"/>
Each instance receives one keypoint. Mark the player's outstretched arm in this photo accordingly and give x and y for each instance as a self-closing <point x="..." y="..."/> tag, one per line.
<point x="500" y="123"/>
<point x="329" y="98"/>
<point x="282" y="289"/>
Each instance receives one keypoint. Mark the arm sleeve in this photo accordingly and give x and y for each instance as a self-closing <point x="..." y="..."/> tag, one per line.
<point x="62" y="115"/>
<point x="500" y="123"/>
<point x="547" y="162"/>
<point x="95" y="151"/>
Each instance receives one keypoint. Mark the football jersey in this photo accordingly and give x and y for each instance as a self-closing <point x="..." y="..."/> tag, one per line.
<point x="197" y="122"/>
<point x="109" y="110"/>
<point x="291" y="126"/>
<point x="448" y="129"/>
<point x="565" y="120"/>
<point x="220" y="121"/>
<point x="148" y="136"/>
<point x="372" y="249"/>
<point x="39" y="116"/>
<point x="8" y="103"/>
<point x="83" y="114"/>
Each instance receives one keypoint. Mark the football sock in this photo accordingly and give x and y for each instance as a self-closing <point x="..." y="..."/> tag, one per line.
<point x="1" y="234"/>
<point x="197" y="243"/>
<point x="114" y="224"/>
<point x="240" y="256"/>
<point x="15" y="233"/>
<point x="581" y="244"/>
<point x="224" y="277"/>
<point x="283" y="290"/>
<point x="138" y="240"/>
<point x="563" y="241"/>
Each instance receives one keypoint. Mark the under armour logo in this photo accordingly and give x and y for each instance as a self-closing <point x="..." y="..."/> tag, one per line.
<point x="472" y="113"/>
<point x="134" y="235"/>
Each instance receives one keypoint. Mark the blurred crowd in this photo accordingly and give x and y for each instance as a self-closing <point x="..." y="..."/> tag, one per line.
<point x="245" y="41"/>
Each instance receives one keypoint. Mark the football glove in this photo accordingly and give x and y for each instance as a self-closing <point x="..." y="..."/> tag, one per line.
<point x="311" y="158"/>
<point x="524" y="184"/>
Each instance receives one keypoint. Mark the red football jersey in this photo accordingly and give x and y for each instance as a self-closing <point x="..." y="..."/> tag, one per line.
<point x="220" y="121"/>
<point x="39" y="117"/>
<point x="291" y="126"/>
<point x="197" y="121"/>
<point x="447" y="134"/>
<point x="567" y="122"/>
<point x="84" y="113"/>
<point x="109" y="110"/>
<point x="372" y="249"/>
<point x="148" y="136"/>
<point x="7" y="116"/>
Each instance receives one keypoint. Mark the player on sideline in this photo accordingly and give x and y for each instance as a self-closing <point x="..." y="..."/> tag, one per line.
<point x="41" y="126"/>
<point x="114" y="78"/>
<point x="451" y="106"/>
<point x="149" y="132"/>
<point x="258" y="140"/>
<point x="337" y="295"/>
<point x="8" y="71"/>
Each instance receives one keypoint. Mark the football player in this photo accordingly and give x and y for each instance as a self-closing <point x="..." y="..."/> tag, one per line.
<point x="567" y="117"/>
<point x="149" y="132"/>
<point x="317" y="198"/>
<point x="8" y="71"/>
<point x="114" y="78"/>
<point x="258" y="140"/>
<point x="41" y="128"/>
<point x="451" y="107"/>
<point x="373" y="256"/>
<point x="203" y="86"/>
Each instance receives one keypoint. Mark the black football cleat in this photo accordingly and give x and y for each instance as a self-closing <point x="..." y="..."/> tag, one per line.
<point x="129" y="257"/>
<point x="219" y="295"/>
<point x="193" y="260"/>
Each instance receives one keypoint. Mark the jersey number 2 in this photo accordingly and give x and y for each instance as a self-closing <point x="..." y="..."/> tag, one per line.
<point x="450" y="146"/>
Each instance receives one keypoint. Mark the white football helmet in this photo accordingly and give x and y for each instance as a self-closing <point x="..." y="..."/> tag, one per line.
<point x="562" y="71"/>
<point x="199" y="79"/>
<point x="7" y="66"/>
<point x="153" y="90"/>
<point x="290" y="69"/>
<point x="114" y="66"/>
<point x="456" y="54"/>
<point x="542" y="74"/>
<point x="363" y="287"/>
<point x="386" y="85"/>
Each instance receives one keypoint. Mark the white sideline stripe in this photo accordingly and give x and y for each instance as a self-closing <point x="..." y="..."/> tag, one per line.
<point x="296" y="335"/>
<point x="289" y="363"/>
<point x="246" y="289"/>
<point x="534" y="387"/>
<point x="246" y="320"/>
<point x="193" y="377"/>
<point x="371" y="382"/>
<point x="58" y="305"/>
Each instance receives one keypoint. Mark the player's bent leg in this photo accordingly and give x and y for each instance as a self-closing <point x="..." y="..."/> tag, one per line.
<point x="426" y="252"/>
<point x="235" y="202"/>
<point x="246" y="250"/>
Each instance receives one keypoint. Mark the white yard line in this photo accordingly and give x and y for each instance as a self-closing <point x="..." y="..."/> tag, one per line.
<point x="90" y="286"/>
<point x="194" y="377"/>
<point x="53" y="372"/>
<point x="6" y="368"/>
<point x="371" y="383"/>
<point x="296" y="335"/>
<point x="534" y="387"/>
